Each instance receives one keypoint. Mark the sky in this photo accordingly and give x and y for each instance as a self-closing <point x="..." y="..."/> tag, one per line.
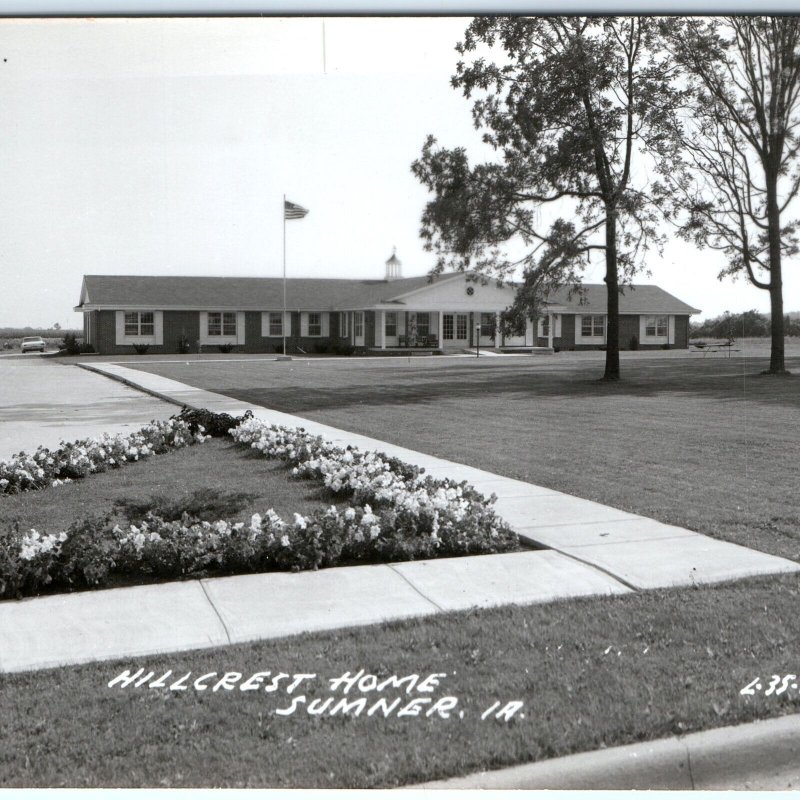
<point x="165" y="146"/>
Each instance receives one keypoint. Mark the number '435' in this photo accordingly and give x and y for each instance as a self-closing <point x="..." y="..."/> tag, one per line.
<point x="777" y="685"/>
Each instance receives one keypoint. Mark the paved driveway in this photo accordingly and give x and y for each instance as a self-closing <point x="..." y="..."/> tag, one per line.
<point x="43" y="401"/>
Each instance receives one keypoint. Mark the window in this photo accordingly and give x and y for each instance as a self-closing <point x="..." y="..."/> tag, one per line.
<point x="447" y="326"/>
<point x="461" y="326"/>
<point x="424" y="324"/>
<point x="222" y="323"/>
<point x="343" y="324"/>
<point x="391" y="323"/>
<point x="275" y="323"/>
<point x="546" y="326"/>
<point x="487" y="325"/>
<point x="314" y="323"/>
<point x="592" y="325"/>
<point x="656" y="326"/>
<point x="139" y="323"/>
<point x="358" y="323"/>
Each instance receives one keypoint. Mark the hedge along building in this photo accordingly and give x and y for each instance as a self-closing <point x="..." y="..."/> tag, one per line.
<point x="123" y="313"/>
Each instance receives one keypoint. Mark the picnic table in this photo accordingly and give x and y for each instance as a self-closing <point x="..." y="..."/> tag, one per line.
<point x="714" y="347"/>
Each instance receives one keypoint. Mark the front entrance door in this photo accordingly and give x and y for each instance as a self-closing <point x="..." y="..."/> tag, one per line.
<point x="358" y="328"/>
<point x="455" y="330"/>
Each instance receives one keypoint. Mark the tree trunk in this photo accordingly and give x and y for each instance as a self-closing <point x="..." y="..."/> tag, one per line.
<point x="612" y="285"/>
<point x="776" y="358"/>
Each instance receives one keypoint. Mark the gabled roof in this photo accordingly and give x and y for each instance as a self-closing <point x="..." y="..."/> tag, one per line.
<point x="643" y="298"/>
<point x="161" y="291"/>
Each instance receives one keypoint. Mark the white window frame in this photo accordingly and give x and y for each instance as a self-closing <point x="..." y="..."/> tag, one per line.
<point x="317" y="325"/>
<point x="660" y="326"/>
<point x="226" y="320"/>
<point x="139" y="324"/>
<point x="595" y="321"/>
<point x="390" y="321"/>
<point x="275" y="322"/>
<point x="208" y="338"/>
<point x="122" y="337"/>
<point x="358" y="324"/>
<point x="667" y="328"/>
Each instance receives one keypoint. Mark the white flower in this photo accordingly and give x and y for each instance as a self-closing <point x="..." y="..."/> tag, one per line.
<point x="285" y="541"/>
<point x="255" y="522"/>
<point x="300" y="521"/>
<point x="350" y="514"/>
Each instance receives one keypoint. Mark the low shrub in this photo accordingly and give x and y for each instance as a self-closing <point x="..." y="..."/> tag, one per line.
<point x="344" y="349"/>
<point x="141" y="349"/>
<point x="206" y="504"/>
<point x="321" y="347"/>
<point x="71" y="344"/>
<point x="183" y="344"/>
<point x="209" y="423"/>
<point x="226" y="348"/>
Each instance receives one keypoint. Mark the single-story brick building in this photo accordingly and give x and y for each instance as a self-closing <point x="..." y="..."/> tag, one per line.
<point x="448" y="312"/>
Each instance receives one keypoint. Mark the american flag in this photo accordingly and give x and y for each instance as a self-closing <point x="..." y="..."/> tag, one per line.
<point x="293" y="211"/>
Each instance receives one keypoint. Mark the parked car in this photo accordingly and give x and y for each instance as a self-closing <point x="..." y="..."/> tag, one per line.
<point x="32" y="343"/>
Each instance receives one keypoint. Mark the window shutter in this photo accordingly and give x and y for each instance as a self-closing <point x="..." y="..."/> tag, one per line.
<point x="325" y="323"/>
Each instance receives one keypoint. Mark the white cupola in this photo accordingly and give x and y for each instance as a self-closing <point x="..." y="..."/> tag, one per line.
<point x="393" y="266"/>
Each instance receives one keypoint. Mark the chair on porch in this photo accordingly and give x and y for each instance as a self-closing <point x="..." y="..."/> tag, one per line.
<point x="402" y="341"/>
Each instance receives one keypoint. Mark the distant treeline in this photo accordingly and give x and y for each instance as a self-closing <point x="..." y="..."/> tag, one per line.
<point x="743" y="325"/>
<point x="45" y="333"/>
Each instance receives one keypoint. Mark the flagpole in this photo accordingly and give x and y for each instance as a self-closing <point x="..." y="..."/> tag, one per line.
<point x="283" y="321"/>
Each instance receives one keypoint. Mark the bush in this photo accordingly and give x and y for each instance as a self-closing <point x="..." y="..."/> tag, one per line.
<point x="321" y="347"/>
<point x="184" y="345"/>
<point x="634" y="342"/>
<point x="202" y="504"/>
<point x="71" y="344"/>
<point x="666" y="346"/>
<point x="141" y="349"/>
<point x="344" y="349"/>
<point x="209" y="423"/>
<point x="226" y="348"/>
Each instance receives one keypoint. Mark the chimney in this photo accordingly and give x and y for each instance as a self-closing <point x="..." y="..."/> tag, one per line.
<point x="393" y="266"/>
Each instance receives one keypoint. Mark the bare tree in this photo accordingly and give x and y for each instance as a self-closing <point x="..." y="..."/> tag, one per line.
<point x="740" y="140"/>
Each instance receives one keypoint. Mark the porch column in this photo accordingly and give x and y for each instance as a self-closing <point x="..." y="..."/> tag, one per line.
<point x="550" y="331"/>
<point x="380" y="323"/>
<point x="440" y="328"/>
<point x="497" y="339"/>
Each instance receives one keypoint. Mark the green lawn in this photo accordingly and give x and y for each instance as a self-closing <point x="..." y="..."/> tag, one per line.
<point x="591" y="673"/>
<point x="215" y="464"/>
<point x="704" y="443"/>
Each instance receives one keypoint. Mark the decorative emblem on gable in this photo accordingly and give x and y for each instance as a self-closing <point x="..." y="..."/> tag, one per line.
<point x="470" y="290"/>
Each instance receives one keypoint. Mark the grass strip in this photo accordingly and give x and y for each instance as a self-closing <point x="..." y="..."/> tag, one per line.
<point x="592" y="673"/>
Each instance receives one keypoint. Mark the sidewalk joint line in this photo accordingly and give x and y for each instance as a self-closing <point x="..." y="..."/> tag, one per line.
<point x="421" y="594"/>
<point x="598" y="568"/>
<point x="216" y="611"/>
<point x="689" y="765"/>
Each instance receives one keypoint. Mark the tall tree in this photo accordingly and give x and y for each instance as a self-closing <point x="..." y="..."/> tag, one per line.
<point x="570" y="106"/>
<point x="741" y="143"/>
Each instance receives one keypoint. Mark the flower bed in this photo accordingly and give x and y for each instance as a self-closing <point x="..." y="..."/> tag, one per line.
<point x="394" y="512"/>
<point x="42" y="468"/>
